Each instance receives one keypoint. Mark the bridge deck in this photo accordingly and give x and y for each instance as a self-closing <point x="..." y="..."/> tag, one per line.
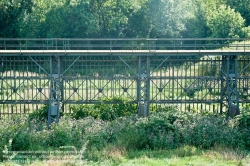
<point x="121" y="52"/>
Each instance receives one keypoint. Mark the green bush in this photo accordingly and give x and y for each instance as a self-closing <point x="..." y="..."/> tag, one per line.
<point x="59" y="135"/>
<point x="80" y="111"/>
<point x="119" y="108"/>
<point x="165" y="128"/>
<point x="40" y="114"/>
<point x="244" y="118"/>
<point x="207" y="131"/>
<point x="245" y="135"/>
<point x="243" y="121"/>
<point x="31" y="135"/>
<point x="201" y="132"/>
<point x="8" y="130"/>
<point x="97" y="134"/>
<point x="126" y="133"/>
<point x="160" y="131"/>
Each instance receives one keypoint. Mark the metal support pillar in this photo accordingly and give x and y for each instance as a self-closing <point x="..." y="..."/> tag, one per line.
<point x="55" y="89"/>
<point x="232" y="90"/>
<point x="1" y="70"/>
<point x="1" y="81"/>
<point x="229" y="88"/>
<point x="223" y="83"/>
<point x="143" y="85"/>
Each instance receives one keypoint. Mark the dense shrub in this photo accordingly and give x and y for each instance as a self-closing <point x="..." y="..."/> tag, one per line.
<point x="243" y="121"/>
<point x="163" y="129"/>
<point x="8" y="131"/>
<point x="202" y="131"/>
<point x="244" y="118"/>
<point x="60" y="134"/>
<point x="119" y="107"/>
<point x="40" y="114"/>
<point x="160" y="132"/>
<point x="126" y="133"/>
<point x="71" y="132"/>
<point x="31" y="135"/>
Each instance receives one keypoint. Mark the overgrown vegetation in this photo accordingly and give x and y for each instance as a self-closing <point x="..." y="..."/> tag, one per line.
<point x="167" y="128"/>
<point x="105" y="111"/>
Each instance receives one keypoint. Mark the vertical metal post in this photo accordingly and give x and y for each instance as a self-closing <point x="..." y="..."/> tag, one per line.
<point x="233" y="96"/>
<point x="55" y="89"/>
<point x="229" y="89"/>
<point x="143" y="85"/>
<point x="1" y="80"/>
<point x="223" y="85"/>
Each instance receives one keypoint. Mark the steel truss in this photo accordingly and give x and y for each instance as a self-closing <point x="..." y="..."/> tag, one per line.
<point x="143" y="71"/>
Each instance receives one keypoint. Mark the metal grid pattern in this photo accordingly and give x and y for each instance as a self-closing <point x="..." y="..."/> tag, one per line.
<point x="91" y="79"/>
<point x="191" y="80"/>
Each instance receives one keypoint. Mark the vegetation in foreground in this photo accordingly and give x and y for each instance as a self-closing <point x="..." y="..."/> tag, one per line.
<point x="187" y="155"/>
<point x="167" y="137"/>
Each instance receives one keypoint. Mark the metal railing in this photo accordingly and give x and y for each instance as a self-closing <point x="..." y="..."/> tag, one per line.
<point x="124" y="44"/>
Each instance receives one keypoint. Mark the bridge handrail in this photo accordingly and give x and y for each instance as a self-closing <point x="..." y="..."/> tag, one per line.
<point x="124" y="43"/>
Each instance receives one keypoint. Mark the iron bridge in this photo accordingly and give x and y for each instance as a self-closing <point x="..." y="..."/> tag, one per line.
<point x="193" y="74"/>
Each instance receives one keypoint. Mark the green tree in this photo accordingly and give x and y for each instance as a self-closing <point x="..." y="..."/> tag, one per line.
<point x="224" y="22"/>
<point x="67" y="21"/>
<point x="196" y="24"/>
<point x="161" y="18"/>
<point x="84" y="18"/>
<point x="11" y="14"/>
<point x="124" y="18"/>
<point x="213" y="18"/>
<point x="33" y="24"/>
<point x="241" y="6"/>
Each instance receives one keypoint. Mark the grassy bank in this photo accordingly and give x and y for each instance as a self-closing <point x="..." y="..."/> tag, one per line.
<point x="186" y="155"/>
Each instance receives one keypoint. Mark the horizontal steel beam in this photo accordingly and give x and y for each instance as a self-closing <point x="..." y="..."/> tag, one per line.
<point x="120" y="52"/>
<point x="123" y="39"/>
<point x="24" y="101"/>
<point x="190" y="101"/>
<point x="129" y="102"/>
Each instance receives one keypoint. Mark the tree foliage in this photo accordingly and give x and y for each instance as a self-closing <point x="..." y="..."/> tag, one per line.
<point x="11" y="14"/>
<point x="124" y="18"/>
<point x="225" y="22"/>
<point x="241" y="6"/>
